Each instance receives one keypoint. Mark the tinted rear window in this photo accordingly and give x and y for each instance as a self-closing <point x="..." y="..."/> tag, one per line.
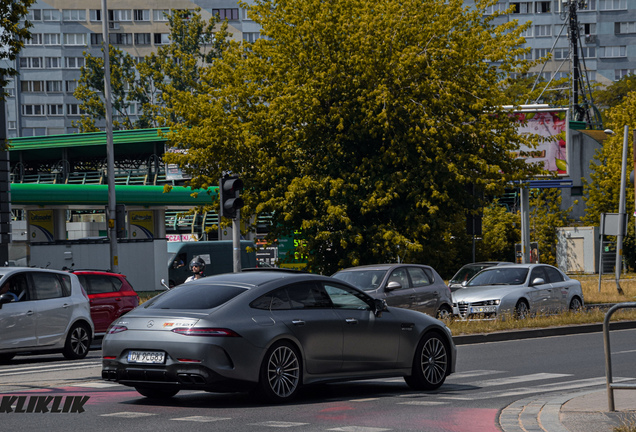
<point x="195" y="296"/>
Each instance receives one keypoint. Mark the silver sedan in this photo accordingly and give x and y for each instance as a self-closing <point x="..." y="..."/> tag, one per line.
<point x="517" y="290"/>
<point x="271" y="331"/>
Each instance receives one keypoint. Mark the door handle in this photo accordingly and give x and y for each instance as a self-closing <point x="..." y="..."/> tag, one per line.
<point x="29" y="313"/>
<point x="65" y="305"/>
<point x="351" y="321"/>
<point x="298" y="322"/>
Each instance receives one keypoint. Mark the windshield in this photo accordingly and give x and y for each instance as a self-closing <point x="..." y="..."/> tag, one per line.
<point x="500" y="276"/>
<point x="195" y="296"/>
<point x="367" y="280"/>
<point x="467" y="272"/>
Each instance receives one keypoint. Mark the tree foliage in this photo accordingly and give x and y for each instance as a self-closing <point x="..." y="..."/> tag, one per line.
<point x="501" y="231"/>
<point x="13" y="33"/>
<point x="613" y="94"/>
<point x="149" y="84"/>
<point x="360" y="123"/>
<point x="602" y="192"/>
<point x="545" y="217"/>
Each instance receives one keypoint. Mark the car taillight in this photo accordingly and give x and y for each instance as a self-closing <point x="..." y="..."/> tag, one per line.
<point x="116" y="329"/>
<point x="205" y="331"/>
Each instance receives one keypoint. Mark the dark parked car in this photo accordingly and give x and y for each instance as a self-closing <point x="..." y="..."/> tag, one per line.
<point x="110" y="295"/>
<point x="43" y="311"/>
<point x="271" y="331"/>
<point x="411" y="286"/>
<point x="469" y="270"/>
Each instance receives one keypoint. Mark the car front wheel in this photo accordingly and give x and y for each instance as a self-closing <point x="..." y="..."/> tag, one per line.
<point x="280" y="373"/>
<point x="430" y="364"/>
<point x="444" y="313"/>
<point x="78" y="342"/>
<point x="522" y="310"/>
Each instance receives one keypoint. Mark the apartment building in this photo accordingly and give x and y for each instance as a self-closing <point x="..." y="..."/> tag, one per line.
<point x="41" y="98"/>
<point x="607" y="35"/>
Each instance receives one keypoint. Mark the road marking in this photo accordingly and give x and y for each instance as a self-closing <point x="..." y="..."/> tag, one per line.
<point x="44" y="370"/>
<point x="423" y="403"/>
<point x="97" y="385"/>
<point x="202" y="419"/>
<point x="50" y="366"/>
<point x="127" y="414"/>
<point x="517" y="379"/>
<point x="545" y="388"/>
<point x="359" y="429"/>
<point x="364" y="400"/>
<point x="475" y="373"/>
<point x="278" y="424"/>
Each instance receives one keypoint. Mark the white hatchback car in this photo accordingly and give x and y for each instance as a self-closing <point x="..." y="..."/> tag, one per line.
<point x="43" y="311"/>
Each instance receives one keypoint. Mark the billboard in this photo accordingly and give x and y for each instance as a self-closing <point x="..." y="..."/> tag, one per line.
<point x="551" y="127"/>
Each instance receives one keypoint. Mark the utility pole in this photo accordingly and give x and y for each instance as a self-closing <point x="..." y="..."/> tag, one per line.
<point x="621" y="213"/>
<point x="110" y="155"/>
<point x="5" y="188"/>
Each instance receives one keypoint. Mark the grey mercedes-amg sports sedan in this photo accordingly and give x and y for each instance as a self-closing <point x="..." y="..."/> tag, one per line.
<point x="271" y="331"/>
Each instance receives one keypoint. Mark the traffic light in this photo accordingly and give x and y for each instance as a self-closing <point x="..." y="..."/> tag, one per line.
<point x="229" y="189"/>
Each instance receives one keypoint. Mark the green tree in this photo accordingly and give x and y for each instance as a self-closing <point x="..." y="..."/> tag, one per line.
<point x="602" y="192"/>
<point x="359" y="123"/>
<point x="174" y="67"/>
<point x="13" y="32"/>
<point x="90" y="90"/>
<point x="501" y="231"/>
<point x="545" y="217"/>
<point x="612" y="95"/>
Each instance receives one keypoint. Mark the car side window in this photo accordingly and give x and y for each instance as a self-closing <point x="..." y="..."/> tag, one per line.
<point x="46" y="286"/>
<point x="399" y="275"/>
<point x="296" y="296"/>
<point x="537" y="272"/>
<point x="344" y="297"/>
<point x="99" y="284"/>
<point x="66" y="284"/>
<point x="419" y="277"/>
<point x="307" y="296"/>
<point x="19" y="286"/>
<point x="553" y="275"/>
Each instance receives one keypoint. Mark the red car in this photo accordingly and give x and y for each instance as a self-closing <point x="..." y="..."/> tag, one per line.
<point x="110" y="295"/>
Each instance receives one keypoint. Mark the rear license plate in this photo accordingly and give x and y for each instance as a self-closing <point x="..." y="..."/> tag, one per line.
<point x="148" y="357"/>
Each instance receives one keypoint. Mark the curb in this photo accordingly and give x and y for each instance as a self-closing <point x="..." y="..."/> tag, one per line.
<point x="540" y="332"/>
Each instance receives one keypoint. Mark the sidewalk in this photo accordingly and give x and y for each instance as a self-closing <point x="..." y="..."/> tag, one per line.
<point x="589" y="412"/>
<point x="576" y="411"/>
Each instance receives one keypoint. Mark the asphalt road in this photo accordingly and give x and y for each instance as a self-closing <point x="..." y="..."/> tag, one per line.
<point x="490" y="376"/>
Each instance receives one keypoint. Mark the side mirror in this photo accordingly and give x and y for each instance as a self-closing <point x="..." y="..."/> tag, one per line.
<point x="393" y="285"/>
<point x="464" y="283"/>
<point x="538" y="281"/>
<point x="6" y="298"/>
<point x="380" y="306"/>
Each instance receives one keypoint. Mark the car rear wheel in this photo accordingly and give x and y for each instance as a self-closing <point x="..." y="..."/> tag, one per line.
<point x="153" y="393"/>
<point x="522" y="310"/>
<point x="78" y="342"/>
<point x="430" y="364"/>
<point x="280" y="373"/>
<point x="576" y="305"/>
